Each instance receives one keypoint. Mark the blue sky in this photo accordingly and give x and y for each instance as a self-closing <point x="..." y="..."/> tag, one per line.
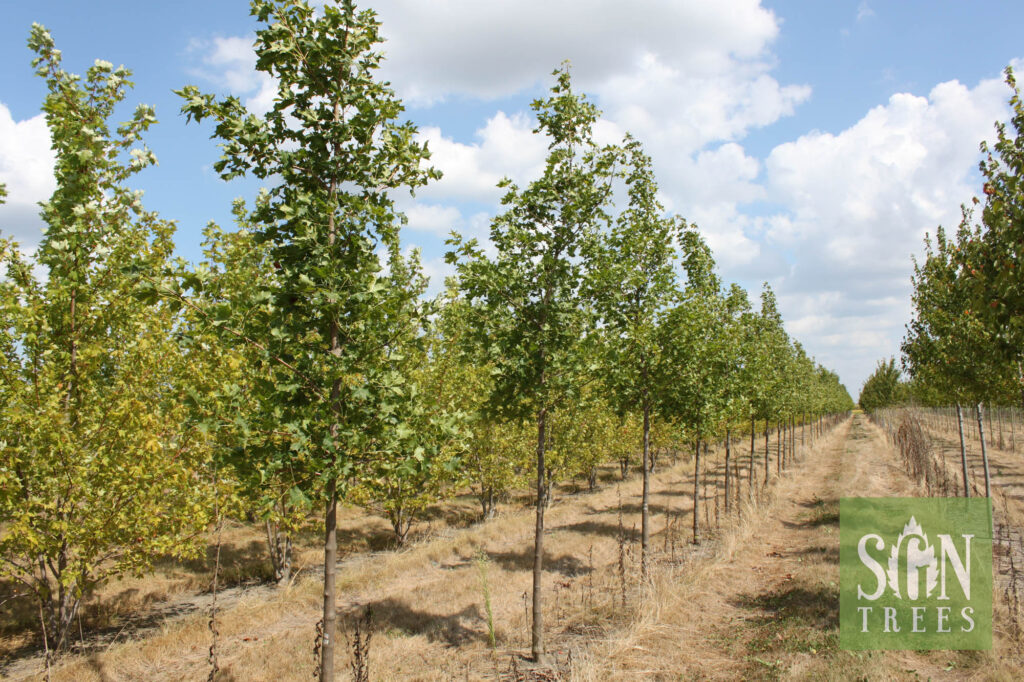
<point x="814" y="143"/>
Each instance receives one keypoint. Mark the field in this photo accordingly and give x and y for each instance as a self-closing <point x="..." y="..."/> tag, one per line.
<point x="757" y="599"/>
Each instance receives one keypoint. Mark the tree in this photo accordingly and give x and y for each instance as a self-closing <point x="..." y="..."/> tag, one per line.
<point x="947" y="344"/>
<point x="419" y="437"/>
<point x="996" y="257"/>
<point x="769" y="355"/>
<point x="634" y="283"/>
<point x="495" y="453"/>
<point x="883" y="388"/>
<point x="231" y="397"/>
<point x="332" y="150"/>
<point x="99" y="471"/>
<point x="530" y="294"/>
<point x="700" y="367"/>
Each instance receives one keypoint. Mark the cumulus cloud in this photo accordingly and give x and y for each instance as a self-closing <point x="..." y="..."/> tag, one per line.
<point x="504" y="146"/>
<point x="857" y="206"/>
<point x="26" y="167"/>
<point x="230" y="62"/>
<point x="494" y="49"/>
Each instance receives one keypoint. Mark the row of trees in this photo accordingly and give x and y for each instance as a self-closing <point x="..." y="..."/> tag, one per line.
<point x="965" y="342"/>
<point x="301" y="364"/>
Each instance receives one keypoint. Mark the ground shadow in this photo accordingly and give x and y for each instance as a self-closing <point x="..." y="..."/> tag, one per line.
<point x="396" y="616"/>
<point x="566" y="564"/>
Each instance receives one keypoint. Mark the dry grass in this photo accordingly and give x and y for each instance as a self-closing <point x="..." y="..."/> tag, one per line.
<point x="426" y="598"/>
<point x="757" y="599"/>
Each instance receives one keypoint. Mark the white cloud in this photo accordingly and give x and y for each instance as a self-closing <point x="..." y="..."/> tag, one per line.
<point x="494" y="49"/>
<point x="505" y="146"/>
<point x="858" y="204"/>
<point x="26" y="167"/>
<point x="230" y="62"/>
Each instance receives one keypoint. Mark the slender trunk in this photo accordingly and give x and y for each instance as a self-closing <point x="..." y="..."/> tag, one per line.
<point x="750" y="474"/>
<point x="486" y="498"/>
<point x="963" y="449"/>
<point x="401" y="524"/>
<point x="537" y="644"/>
<point x="984" y="451"/>
<point x="696" y="493"/>
<point x="792" y="438"/>
<point x="778" y="448"/>
<point x="280" y="547"/>
<point x="991" y="431"/>
<point x="645" y="528"/>
<point x="728" y="453"/>
<point x="767" y="454"/>
<point x="999" y="420"/>
<point x="330" y="615"/>
<point x="330" y="565"/>
<point x="803" y="428"/>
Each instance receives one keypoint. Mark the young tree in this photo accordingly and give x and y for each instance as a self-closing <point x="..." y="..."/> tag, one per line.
<point x="883" y="388"/>
<point x="633" y="284"/>
<point x="495" y="453"/>
<point x="232" y="397"/>
<point x="736" y="363"/>
<point x="332" y="149"/>
<point x="99" y="472"/>
<point x="416" y="454"/>
<point x="769" y="355"/>
<point x="700" y="367"/>
<point x="530" y="294"/>
<point x="947" y="345"/>
<point x="995" y="258"/>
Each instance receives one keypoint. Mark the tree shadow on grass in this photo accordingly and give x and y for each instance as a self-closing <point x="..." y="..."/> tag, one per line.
<point x="395" y="616"/>
<point x="793" y="618"/>
<point x="566" y="564"/>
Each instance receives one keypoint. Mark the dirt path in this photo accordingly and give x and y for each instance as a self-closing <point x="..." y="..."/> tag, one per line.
<point x="768" y="608"/>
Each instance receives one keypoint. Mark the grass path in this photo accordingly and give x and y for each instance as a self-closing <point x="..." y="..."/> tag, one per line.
<point x="768" y="608"/>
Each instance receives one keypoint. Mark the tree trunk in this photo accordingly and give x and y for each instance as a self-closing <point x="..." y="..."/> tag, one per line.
<point x="984" y="451"/>
<point x="696" y="493"/>
<point x="767" y="454"/>
<point x="728" y="452"/>
<point x="592" y="478"/>
<point x="645" y="528"/>
<point x="280" y="546"/>
<point x="750" y="474"/>
<point x="999" y="421"/>
<point x="330" y="568"/>
<point x="486" y="498"/>
<point x="963" y="449"/>
<point x="537" y="644"/>
<point x="792" y="438"/>
<point x="401" y="525"/>
<point x="778" y="448"/>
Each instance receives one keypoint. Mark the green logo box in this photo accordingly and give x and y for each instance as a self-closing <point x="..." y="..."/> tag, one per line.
<point x="915" y="573"/>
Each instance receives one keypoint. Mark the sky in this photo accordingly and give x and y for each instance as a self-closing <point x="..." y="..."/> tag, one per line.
<point x="814" y="144"/>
